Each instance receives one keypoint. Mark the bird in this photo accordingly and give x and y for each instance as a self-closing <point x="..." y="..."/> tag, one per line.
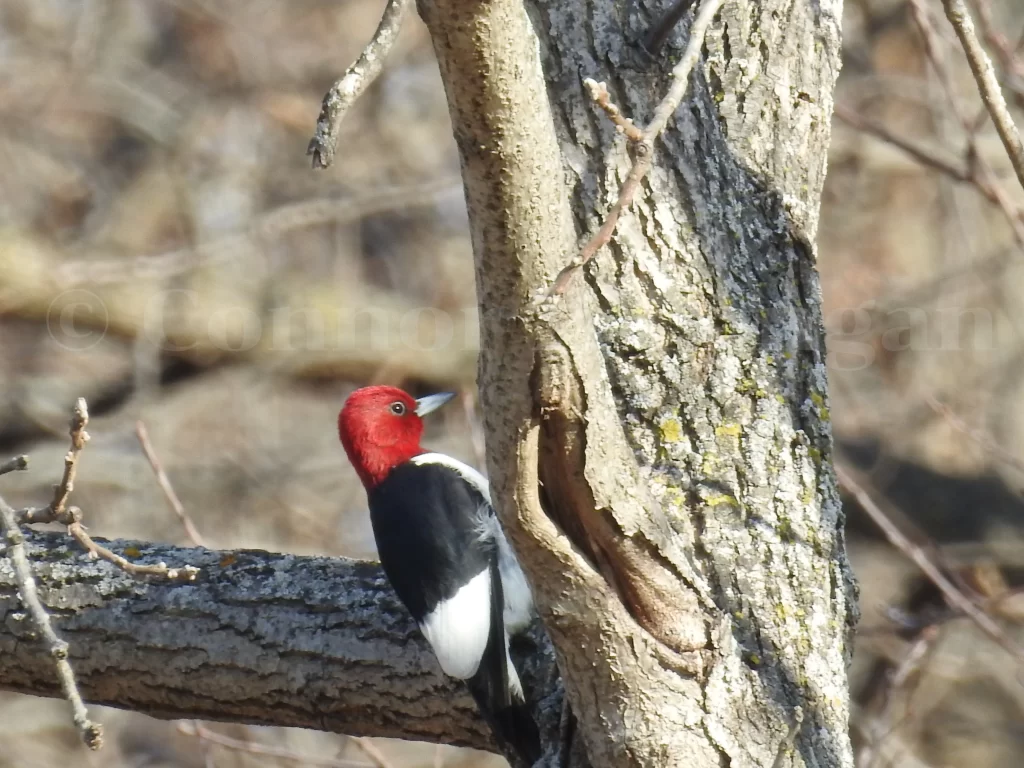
<point x="443" y="550"/>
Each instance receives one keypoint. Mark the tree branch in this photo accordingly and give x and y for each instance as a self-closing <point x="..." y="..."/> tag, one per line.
<point x="17" y="464"/>
<point x="988" y="84"/>
<point x="644" y="141"/>
<point x="269" y="639"/>
<point x="357" y="78"/>
<point x="57" y="649"/>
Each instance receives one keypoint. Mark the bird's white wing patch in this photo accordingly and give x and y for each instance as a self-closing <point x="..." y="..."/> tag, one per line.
<point x="471" y="476"/>
<point x="458" y="627"/>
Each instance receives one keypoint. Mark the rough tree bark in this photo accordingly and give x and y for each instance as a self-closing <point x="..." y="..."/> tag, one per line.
<point x="658" y="439"/>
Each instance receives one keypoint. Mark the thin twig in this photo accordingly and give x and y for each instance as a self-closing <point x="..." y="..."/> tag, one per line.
<point x="356" y="79"/>
<point x="59" y="512"/>
<point x="91" y="733"/>
<point x="252" y="748"/>
<point x="981" y="174"/>
<point x="599" y="93"/>
<point x="79" y="437"/>
<point x="16" y="464"/>
<point x="165" y="485"/>
<point x="371" y="751"/>
<point x="984" y="440"/>
<point x="1008" y="59"/>
<point x="924" y="561"/>
<point x="681" y="71"/>
<point x="923" y="155"/>
<point x="883" y="726"/>
<point x="77" y="531"/>
<point x="988" y="84"/>
<point x="643" y="145"/>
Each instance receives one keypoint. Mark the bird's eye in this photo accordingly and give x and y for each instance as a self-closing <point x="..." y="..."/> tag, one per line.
<point x="398" y="408"/>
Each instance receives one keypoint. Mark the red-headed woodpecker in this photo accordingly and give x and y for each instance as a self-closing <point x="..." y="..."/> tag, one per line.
<point x="443" y="550"/>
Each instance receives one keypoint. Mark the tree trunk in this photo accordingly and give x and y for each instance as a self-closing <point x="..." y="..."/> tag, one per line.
<point x="658" y="438"/>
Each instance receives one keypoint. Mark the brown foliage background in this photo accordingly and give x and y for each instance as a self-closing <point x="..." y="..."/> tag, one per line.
<point x="166" y="252"/>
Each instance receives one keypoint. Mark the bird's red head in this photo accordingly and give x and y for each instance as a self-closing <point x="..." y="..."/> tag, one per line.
<point x="381" y="427"/>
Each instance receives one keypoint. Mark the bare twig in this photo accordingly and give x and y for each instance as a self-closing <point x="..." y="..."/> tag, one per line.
<point x="917" y="554"/>
<point x="1005" y="50"/>
<point x="988" y="84"/>
<point x="34" y="515"/>
<point x="60" y="512"/>
<point x="77" y="531"/>
<point x="79" y="437"/>
<point x="912" y="661"/>
<point x="16" y="464"/>
<point x="252" y="748"/>
<point x="681" y="72"/>
<point x="984" y="440"/>
<point x="165" y="485"/>
<point x="923" y="155"/>
<point x="599" y="93"/>
<point x="92" y="733"/>
<point x="356" y="79"/>
<point x="643" y="143"/>
<point x="371" y="751"/>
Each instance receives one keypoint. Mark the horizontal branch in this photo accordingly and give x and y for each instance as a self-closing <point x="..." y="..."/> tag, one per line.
<point x="262" y="638"/>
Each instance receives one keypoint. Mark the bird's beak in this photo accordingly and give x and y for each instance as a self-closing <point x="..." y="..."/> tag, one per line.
<point x="432" y="402"/>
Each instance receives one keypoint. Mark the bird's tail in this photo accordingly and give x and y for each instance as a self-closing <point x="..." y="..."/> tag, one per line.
<point x="512" y="725"/>
<point x="495" y="686"/>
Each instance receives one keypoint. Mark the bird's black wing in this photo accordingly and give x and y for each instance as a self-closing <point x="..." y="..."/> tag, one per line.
<point x="426" y="523"/>
<point x="436" y="544"/>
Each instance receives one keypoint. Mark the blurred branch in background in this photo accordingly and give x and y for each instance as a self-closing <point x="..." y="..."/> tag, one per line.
<point x="968" y="172"/>
<point x="922" y="241"/>
<point x="925" y="557"/>
<point x="165" y="485"/>
<point x="988" y="85"/>
<point x="212" y="737"/>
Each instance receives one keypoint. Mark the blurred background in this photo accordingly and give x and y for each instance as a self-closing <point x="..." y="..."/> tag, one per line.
<point x="167" y="253"/>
